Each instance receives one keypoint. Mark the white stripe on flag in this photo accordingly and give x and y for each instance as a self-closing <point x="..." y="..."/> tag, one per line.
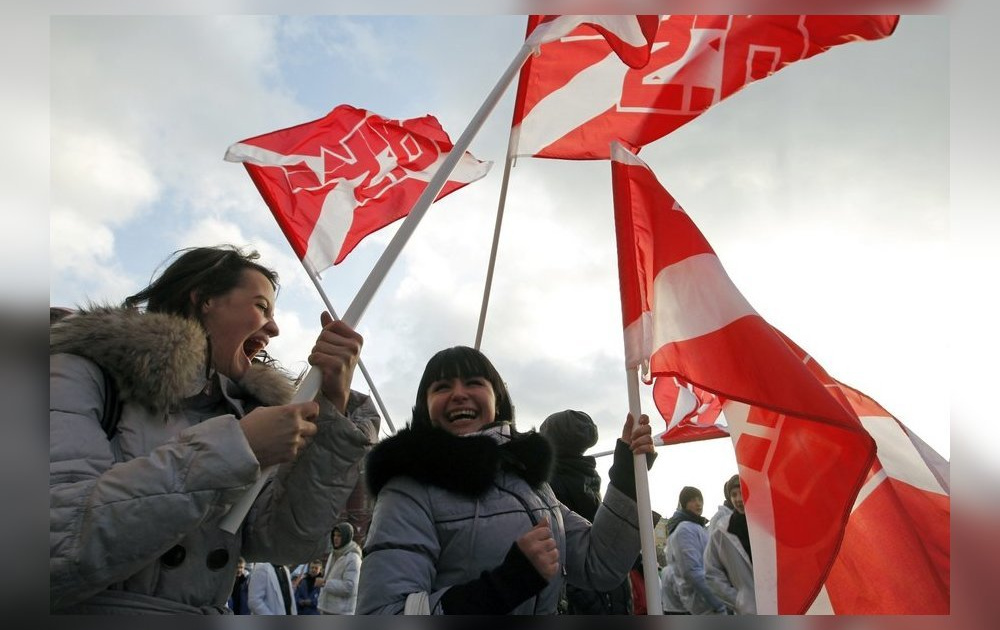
<point x="695" y="297"/>
<point x="898" y="456"/>
<point x="760" y="511"/>
<point x="639" y="343"/>
<point x="562" y="111"/>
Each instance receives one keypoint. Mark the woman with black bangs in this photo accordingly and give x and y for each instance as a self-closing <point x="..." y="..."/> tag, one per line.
<point x="465" y="521"/>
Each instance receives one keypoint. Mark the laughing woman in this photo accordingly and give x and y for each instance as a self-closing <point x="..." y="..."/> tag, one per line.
<point x="465" y="520"/>
<point x="134" y="518"/>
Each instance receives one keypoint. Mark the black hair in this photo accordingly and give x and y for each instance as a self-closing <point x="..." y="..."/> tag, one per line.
<point x="205" y="271"/>
<point x="460" y="362"/>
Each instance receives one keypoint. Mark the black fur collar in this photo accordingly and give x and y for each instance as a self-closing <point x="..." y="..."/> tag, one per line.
<point x="465" y="465"/>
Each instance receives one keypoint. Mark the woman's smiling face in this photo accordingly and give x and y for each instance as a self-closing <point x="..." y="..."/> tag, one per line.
<point x="240" y="323"/>
<point x="461" y="405"/>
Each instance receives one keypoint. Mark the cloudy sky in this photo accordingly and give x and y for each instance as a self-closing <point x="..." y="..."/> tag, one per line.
<point x="824" y="190"/>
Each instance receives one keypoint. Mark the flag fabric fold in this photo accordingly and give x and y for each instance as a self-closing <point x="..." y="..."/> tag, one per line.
<point x="803" y="454"/>
<point x="896" y="555"/>
<point x="332" y="181"/>
<point x="574" y="97"/>
<point x="629" y="36"/>
<point x="691" y="413"/>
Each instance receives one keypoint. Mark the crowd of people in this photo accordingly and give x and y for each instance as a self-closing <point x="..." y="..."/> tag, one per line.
<point x="471" y="515"/>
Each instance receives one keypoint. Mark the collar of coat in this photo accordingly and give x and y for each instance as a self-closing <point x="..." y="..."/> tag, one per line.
<point x="680" y="516"/>
<point x="155" y="358"/>
<point x="465" y="465"/>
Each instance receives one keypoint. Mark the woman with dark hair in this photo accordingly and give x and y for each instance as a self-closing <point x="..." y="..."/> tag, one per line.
<point x="134" y="519"/>
<point x="464" y="517"/>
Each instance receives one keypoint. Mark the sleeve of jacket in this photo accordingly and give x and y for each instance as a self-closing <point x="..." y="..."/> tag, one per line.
<point x="599" y="556"/>
<point x="290" y="521"/>
<point x="260" y="596"/>
<point x="401" y="550"/>
<point x="715" y="573"/>
<point x="106" y="520"/>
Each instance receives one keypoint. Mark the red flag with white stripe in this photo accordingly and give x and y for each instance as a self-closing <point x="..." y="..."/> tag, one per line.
<point x="574" y="98"/>
<point x="896" y="555"/>
<point x="629" y="36"/>
<point x="802" y="452"/>
<point x="332" y="181"/>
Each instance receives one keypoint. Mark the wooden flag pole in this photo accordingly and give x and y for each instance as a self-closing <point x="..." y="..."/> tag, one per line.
<point x="651" y="575"/>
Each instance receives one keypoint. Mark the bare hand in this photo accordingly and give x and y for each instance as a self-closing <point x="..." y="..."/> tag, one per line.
<point x="277" y="434"/>
<point x="336" y="355"/>
<point x="639" y="437"/>
<point x="540" y="548"/>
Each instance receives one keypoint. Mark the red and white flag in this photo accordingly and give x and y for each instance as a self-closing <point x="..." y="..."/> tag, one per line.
<point x="690" y="412"/>
<point x="630" y="36"/>
<point x="803" y="454"/>
<point x="335" y="180"/>
<point x="896" y="555"/>
<point x="574" y="98"/>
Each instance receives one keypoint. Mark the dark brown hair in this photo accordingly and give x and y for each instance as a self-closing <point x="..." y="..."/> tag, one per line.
<point x="205" y="271"/>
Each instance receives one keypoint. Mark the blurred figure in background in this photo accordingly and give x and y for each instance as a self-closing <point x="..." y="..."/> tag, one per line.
<point x="577" y="485"/>
<point x="686" y="542"/>
<point x="728" y="559"/>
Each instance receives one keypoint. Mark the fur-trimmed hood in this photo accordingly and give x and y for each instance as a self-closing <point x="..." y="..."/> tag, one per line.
<point x="154" y="358"/>
<point x="466" y="465"/>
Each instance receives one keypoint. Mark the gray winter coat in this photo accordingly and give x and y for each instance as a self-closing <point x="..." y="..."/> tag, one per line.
<point x="447" y="510"/>
<point x="134" y="521"/>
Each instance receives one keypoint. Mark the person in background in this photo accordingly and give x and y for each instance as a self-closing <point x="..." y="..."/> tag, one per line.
<point x="577" y="485"/>
<point x="339" y="584"/>
<point x="307" y="589"/>
<point x="728" y="558"/>
<point x="464" y="517"/>
<point x="238" y="600"/>
<point x="637" y="581"/>
<point x="724" y="510"/>
<point x="686" y="542"/>
<point x="134" y="519"/>
<point x="270" y="590"/>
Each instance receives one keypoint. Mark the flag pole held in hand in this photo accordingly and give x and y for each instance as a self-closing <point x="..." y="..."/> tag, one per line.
<point x="231" y="521"/>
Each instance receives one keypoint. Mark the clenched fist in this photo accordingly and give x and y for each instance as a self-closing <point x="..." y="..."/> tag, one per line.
<point x="336" y="355"/>
<point x="277" y="434"/>
<point x="540" y="548"/>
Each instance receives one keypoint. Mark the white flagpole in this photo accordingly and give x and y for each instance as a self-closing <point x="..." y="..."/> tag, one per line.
<point x="384" y="263"/>
<point x="651" y="575"/>
<point x="511" y="145"/>
<point x="364" y="371"/>
<point x="307" y="390"/>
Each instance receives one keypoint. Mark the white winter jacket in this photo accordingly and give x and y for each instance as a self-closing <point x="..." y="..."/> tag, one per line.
<point x="339" y="594"/>
<point x="728" y="569"/>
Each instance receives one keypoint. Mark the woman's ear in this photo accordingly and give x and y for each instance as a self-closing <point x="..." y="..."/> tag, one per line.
<point x="198" y="306"/>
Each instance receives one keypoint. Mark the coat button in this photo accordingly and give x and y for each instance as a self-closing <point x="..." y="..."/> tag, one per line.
<point x="217" y="559"/>
<point x="174" y="557"/>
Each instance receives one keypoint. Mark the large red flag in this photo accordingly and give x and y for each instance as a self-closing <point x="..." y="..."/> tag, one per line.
<point x="333" y="181"/>
<point x="802" y="452"/>
<point x="574" y="98"/>
<point x="896" y="554"/>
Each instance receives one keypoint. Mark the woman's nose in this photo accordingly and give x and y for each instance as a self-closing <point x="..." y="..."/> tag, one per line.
<point x="271" y="328"/>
